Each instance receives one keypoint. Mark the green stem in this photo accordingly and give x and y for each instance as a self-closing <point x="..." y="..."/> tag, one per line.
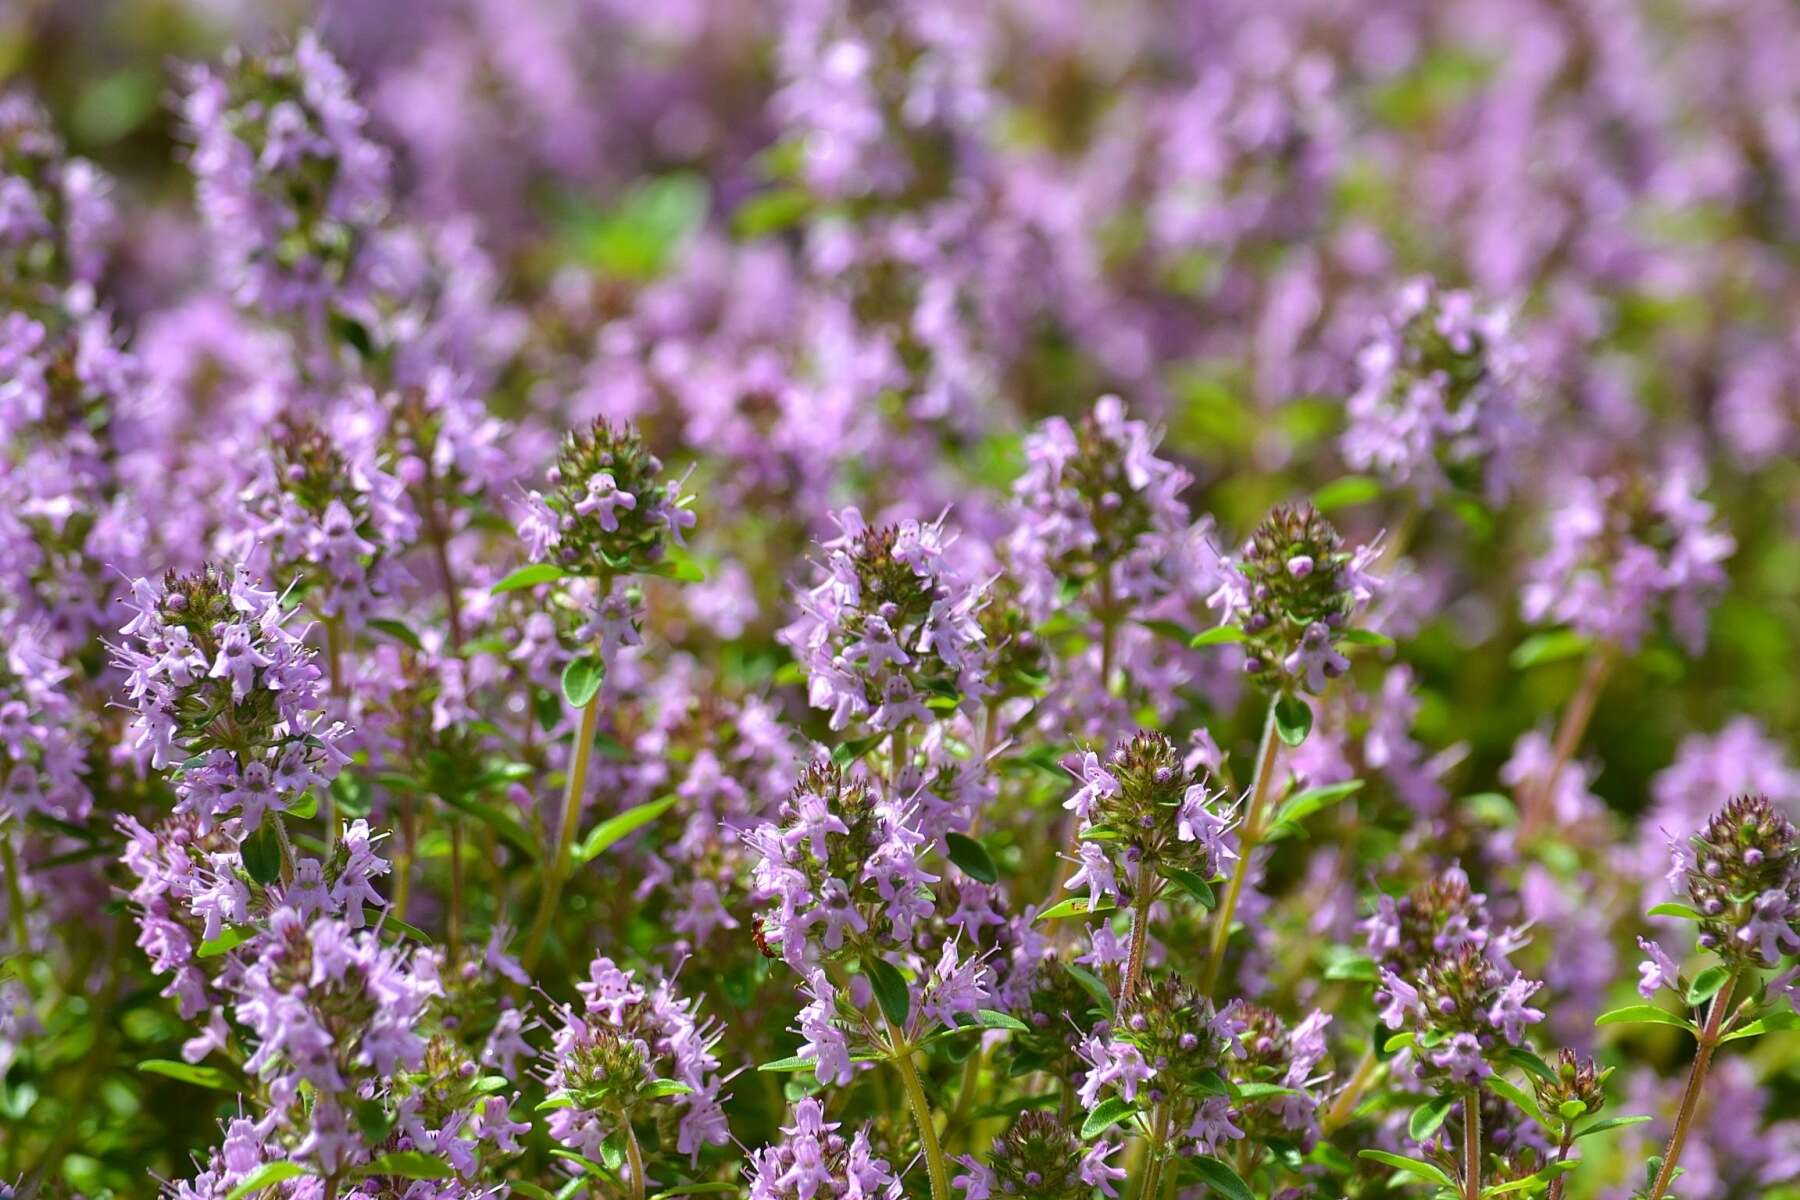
<point x="1153" y="1160"/>
<point x="1690" y="1096"/>
<point x="15" y="895"/>
<point x="1472" y="1145"/>
<point x="921" y="1111"/>
<point x="1250" y="833"/>
<point x="634" y="1157"/>
<point x="1569" y="731"/>
<point x="456" y="888"/>
<point x="1140" y="936"/>
<point x="565" y="837"/>
<point x="1347" y="1100"/>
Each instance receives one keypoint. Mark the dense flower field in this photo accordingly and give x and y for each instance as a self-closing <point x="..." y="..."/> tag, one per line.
<point x="849" y="600"/>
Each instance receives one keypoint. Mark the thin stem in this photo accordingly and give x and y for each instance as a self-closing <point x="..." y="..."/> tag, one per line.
<point x="1347" y="1100"/>
<point x="456" y="887"/>
<point x="565" y="836"/>
<point x="334" y="655"/>
<point x="1109" y="630"/>
<point x="1569" y="732"/>
<point x="1153" y="1160"/>
<point x="1250" y="833"/>
<point x="921" y="1111"/>
<point x="440" y="546"/>
<point x="1472" y="1145"/>
<point x="287" y="848"/>
<point x="403" y="860"/>
<point x="1690" y="1096"/>
<point x="1140" y="936"/>
<point x="15" y="895"/>
<point x="634" y="1156"/>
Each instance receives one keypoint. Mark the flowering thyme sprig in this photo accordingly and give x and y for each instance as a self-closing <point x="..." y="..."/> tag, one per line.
<point x="1741" y="875"/>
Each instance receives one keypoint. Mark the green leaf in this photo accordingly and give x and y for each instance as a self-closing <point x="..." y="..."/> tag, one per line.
<point x="1683" y="912"/>
<point x="610" y="831"/>
<point x="229" y="937"/>
<point x="1609" y="1123"/>
<point x="1092" y="984"/>
<point x="400" y="631"/>
<point x="845" y="753"/>
<point x="973" y="857"/>
<point x="792" y="1062"/>
<point x="373" y="1120"/>
<point x="206" y="1077"/>
<point x="1523" y="1100"/>
<point x="530" y="575"/>
<point x="1552" y="646"/>
<point x="262" y="854"/>
<point x="714" y="1188"/>
<point x="1643" y="1014"/>
<point x="1304" y="804"/>
<point x="1399" y="1042"/>
<point x="1262" y="1091"/>
<point x="1074" y="906"/>
<point x="1344" y="963"/>
<point x="1168" y="629"/>
<point x="409" y="1164"/>
<point x="1106" y="1114"/>
<point x="556" y="1102"/>
<point x="1365" y="637"/>
<point x="303" y="809"/>
<point x="1220" y="1177"/>
<point x="989" y="1018"/>
<point x="586" y="1164"/>
<point x="1219" y="635"/>
<point x="581" y="679"/>
<point x="1346" y="492"/>
<point x="1412" y="1166"/>
<point x="1774" y="1022"/>
<point x="1426" y="1118"/>
<point x="1569" y="1109"/>
<point x="1293" y="719"/>
<point x="1706" y="985"/>
<point x="890" y="990"/>
<point x="1521" y="1057"/>
<point x="265" y="1176"/>
<point x="771" y="212"/>
<point x="1191" y="883"/>
<point x="509" y="829"/>
<point x="659" y="1088"/>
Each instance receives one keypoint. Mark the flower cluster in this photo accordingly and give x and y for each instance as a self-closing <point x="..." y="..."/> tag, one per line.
<point x="891" y="627"/>
<point x="813" y="1159"/>
<point x="609" y="511"/>
<point x="1144" y="815"/>
<point x="840" y="869"/>
<point x="55" y="211"/>
<point x="290" y="185"/>
<point x="631" y="1055"/>
<point x="222" y="689"/>
<point x="1292" y="591"/>
<point x="1040" y="1157"/>
<point x="1741" y="872"/>
<point x="1439" y="400"/>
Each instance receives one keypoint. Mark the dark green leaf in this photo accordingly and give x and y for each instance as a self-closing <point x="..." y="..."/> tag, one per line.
<point x="1706" y="985"/>
<point x="1106" y="1114"/>
<point x="515" y="834"/>
<point x="1220" y="1178"/>
<point x="1304" y="804"/>
<point x="1293" y="718"/>
<point x="890" y="990"/>
<point x="1092" y="985"/>
<point x="262" y="853"/>
<point x="1191" y="883"/>
<point x="973" y="857"/>
<point x="400" y="631"/>
<point x="1426" y="1118"/>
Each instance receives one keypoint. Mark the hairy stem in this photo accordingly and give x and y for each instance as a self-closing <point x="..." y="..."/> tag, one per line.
<point x="1690" y="1096"/>
<point x="1140" y="936"/>
<point x="1472" y="1145"/>
<point x="565" y="836"/>
<point x="1249" y="834"/>
<point x="634" y="1157"/>
<point x="921" y="1111"/>
<point x="1153" y="1159"/>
